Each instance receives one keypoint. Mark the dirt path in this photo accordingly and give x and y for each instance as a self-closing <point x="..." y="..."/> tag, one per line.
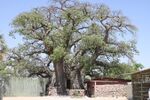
<point x="62" y="98"/>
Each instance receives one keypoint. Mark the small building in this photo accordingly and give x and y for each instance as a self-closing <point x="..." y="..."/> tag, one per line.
<point x="105" y="87"/>
<point x="141" y="84"/>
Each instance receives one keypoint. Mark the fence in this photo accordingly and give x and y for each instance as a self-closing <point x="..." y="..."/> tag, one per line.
<point x="25" y="86"/>
<point x="1" y="88"/>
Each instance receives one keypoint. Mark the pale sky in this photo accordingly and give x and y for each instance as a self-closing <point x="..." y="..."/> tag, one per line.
<point x="136" y="10"/>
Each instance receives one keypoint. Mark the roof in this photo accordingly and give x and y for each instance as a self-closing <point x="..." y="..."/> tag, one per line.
<point x="142" y="71"/>
<point x="107" y="80"/>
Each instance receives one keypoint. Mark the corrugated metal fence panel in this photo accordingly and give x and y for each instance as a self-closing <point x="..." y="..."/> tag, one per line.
<point x="1" y="88"/>
<point x="25" y="87"/>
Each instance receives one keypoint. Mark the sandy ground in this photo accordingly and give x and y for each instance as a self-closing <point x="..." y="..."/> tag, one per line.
<point x="63" y="98"/>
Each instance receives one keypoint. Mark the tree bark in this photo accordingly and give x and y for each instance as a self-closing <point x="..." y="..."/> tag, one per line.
<point x="76" y="80"/>
<point x="80" y="79"/>
<point x="47" y="86"/>
<point x="60" y="77"/>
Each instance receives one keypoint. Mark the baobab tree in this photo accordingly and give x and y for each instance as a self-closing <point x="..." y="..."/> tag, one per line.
<point x="71" y="37"/>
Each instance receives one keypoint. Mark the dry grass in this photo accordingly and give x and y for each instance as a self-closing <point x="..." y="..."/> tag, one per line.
<point x="63" y="98"/>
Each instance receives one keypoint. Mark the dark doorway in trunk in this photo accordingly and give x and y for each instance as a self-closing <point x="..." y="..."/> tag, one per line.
<point x="68" y="84"/>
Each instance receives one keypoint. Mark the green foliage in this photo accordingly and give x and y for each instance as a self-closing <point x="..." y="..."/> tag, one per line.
<point x="3" y="51"/>
<point x="123" y="70"/>
<point x="76" y="13"/>
<point x="86" y="62"/>
<point x="92" y="41"/>
<point x="58" y="53"/>
<point x="3" y="70"/>
<point x="103" y="11"/>
<point x="28" y="24"/>
<point x="3" y="48"/>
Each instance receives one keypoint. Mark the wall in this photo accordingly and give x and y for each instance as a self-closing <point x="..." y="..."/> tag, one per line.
<point x="115" y="90"/>
<point x="25" y="87"/>
<point x="129" y="91"/>
<point x="1" y="88"/>
<point x="141" y="84"/>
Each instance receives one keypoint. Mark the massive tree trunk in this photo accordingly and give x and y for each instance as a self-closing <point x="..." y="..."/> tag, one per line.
<point x="80" y="79"/>
<point x="77" y="80"/>
<point x="47" y="86"/>
<point x="60" y="77"/>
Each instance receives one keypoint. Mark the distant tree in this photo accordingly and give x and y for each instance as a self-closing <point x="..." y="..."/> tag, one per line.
<point x="3" y="70"/>
<point x="123" y="70"/>
<point x="3" y="50"/>
<point x="70" y="37"/>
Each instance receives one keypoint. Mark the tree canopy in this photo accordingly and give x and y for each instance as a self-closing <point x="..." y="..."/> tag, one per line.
<point x="3" y="50"/>
<point x="3" y="47"/>
<point x="71" y="38"/>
